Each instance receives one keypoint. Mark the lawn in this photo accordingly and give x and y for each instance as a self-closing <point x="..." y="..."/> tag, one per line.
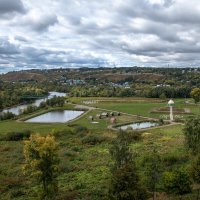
<point x="104" y="122"/>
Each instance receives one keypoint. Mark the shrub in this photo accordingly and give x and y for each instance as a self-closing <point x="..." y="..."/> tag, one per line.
<point x="80" y="129"/>
<point x="66" y="167"/>
<point x="172" y="158"/>
<point x="161" y="121"/>
<point x="16" y="193"/>
<point x="177" y="182"/>
<point x="6" y="115"/>
<point x="192" y="134"/>
<point x="76" y="149"/>
<point x="16" y="136"/>
<point x="60" y="133"/>
<point x="93" y="139"/>
<point x="71" y="195"/>
<point x="134" y="135"/>
<point x="29" y="109"/>
<point x="42" y="164"/>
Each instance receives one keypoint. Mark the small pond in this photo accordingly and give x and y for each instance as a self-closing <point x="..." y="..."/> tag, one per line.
<point x="59" y="116"/>
<point x="139" y="125"/>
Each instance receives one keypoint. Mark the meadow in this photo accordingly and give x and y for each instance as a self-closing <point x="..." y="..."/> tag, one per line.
<point x="84" y="148"/>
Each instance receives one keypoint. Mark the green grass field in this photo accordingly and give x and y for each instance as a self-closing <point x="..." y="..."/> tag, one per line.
<point x="85" y="168"/>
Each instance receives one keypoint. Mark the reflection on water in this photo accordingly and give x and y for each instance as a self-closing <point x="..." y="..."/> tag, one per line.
<point x="59" y="116"/>
<point x="16" y="109"/>
<point x="139" y="125"/>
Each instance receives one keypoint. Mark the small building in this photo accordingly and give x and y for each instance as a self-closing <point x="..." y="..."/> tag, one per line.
<point x="98" y="116"/>
<point x="91" y="118"/>
<point x="112" y="113"/>
<point x="113" y="120"/>
<point x="104" y="114"/>
<point x="118" y="114"/>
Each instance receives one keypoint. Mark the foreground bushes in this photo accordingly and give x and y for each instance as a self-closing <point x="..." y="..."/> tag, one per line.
<point x="177" y="182"/>
<point x="16" y="135"/>
<point x="93" y="139"/>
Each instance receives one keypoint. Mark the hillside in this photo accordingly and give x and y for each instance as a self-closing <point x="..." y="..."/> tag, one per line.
<point x="22" y="76"/>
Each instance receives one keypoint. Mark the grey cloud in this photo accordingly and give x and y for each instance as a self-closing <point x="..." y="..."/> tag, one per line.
<point x="11" y="6"/>
<point x="102" y="32"/>
<point x="7" y="48"/>
<point x="44" y="22"/>
<point x="20" y="38"/>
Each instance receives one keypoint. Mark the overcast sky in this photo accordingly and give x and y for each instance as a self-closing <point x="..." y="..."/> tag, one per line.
<point x="78" y="33"/>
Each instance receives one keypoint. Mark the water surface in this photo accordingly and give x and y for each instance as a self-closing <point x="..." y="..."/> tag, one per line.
<point x="16" y="109"/>
<point x="60" y="116"/>
<point x="139" y="125"/>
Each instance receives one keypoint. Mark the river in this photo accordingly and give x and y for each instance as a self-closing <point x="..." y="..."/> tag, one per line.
<point x="16" y="109"/>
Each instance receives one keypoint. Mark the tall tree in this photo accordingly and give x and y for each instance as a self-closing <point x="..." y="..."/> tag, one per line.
<point x="195" y="172"/>
<point x="125" y="182"/>
<point x="195" y="94"/>
<point x="192" y="134"/>
<point x="153" y="170"/>
<point x="41" y="163"/>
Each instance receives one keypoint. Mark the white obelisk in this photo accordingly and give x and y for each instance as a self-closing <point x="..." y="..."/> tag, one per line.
<point x="171" y="104"/>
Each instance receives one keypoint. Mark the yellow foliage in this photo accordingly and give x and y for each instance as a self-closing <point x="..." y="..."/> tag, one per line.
<point x="41" y="161"/>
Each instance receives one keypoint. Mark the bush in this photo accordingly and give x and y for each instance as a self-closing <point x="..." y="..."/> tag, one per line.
<point x="29" y="109"/>
<point x="16" y="136"/>
<point x="80" y="129"/>
<point x="161" y="121"/>
<point x="6" y="115"/>
<point x="16" y="193"/>
<point x="71" y="195"/>
<point x="66" y="167"/>
<point x="177" y="182"/>
<point x="172" y="158"/>
<point x="60" y="133"/>
<point x="93" y="139"/>
<point x="134" y="135"/>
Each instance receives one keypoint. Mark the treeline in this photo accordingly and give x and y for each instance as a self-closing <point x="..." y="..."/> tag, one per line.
<point x="150" y="92"/>
<point x="16" y="93"/>
<point x="101" y="91"/>
<point x="53" y="102"/>
<point x="169" y="92"/>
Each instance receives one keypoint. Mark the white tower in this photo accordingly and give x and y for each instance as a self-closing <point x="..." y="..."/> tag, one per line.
<point x="171" y="104"/>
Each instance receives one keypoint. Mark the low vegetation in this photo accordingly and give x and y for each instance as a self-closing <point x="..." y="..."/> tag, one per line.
<point x="86" y="159"/>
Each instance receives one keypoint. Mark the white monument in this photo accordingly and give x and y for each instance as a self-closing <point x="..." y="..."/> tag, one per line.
<point x="171" y="104"/>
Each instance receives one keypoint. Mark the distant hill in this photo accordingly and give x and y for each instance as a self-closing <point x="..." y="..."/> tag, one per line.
<point x="22" y="76"/>
<point x="101" y="75"/>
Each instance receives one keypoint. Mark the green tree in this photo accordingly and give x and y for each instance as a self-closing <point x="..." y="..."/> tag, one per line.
<point x="162" y="96"/>
<point x="1" y="103"/>
<point x="177" y="182"/>
<point x="125" y="183"/>
<point x="153" y="170"/>
<point x="192" y="133"/>
<point x="195" y="172"/>
<point x="41" y="163"/>
<point x="195" y="94"/>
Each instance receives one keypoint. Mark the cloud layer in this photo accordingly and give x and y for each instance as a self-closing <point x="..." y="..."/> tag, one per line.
<point x="79" y="33"/>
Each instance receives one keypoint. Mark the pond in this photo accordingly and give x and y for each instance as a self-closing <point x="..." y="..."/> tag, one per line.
<point x="16" y="109"/>
<point x="59" y="116"/>
<point x="139" y="125"/>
